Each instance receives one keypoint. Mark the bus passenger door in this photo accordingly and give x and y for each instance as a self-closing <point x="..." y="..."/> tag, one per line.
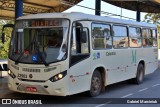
<point x="79" y="59"/>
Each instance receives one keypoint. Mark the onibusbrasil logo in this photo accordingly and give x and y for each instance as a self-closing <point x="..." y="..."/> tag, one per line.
<point x="15" y="101"/>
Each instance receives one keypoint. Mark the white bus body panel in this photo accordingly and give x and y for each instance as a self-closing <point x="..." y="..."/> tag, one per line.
<point x="119" y="66"/>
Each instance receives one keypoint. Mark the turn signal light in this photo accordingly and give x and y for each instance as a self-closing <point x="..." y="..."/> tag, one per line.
<point x="11" y="74"/>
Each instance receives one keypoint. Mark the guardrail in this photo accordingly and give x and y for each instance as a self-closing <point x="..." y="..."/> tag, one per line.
<point x="3" y="67"/>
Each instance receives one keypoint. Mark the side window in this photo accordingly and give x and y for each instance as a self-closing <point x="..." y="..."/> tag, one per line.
<point x="154" y="37"/>
<point x="135" y="39"/>
<point x="101" y="36"/>
<point x="120" y="38"/>
<point x="79" y="41"/>
<point x="147" y="39"/>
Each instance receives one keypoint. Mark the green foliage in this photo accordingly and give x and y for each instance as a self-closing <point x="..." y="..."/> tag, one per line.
<point x="153" y="18"/>
<point x="4" y="48"/>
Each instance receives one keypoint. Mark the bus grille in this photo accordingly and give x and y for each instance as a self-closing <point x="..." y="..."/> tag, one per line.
<point x="31" y="70"/>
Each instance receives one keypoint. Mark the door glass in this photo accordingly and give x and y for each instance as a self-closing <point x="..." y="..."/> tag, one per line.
<point x="78" y="45"/>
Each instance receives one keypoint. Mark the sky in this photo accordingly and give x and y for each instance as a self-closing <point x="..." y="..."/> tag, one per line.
<point x="106" y="7"/>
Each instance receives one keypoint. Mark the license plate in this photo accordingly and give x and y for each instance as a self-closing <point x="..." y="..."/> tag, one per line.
<point x="31" y="89"/>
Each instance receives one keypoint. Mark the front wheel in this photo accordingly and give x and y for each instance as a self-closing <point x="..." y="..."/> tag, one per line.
<point x="96" y="84"/>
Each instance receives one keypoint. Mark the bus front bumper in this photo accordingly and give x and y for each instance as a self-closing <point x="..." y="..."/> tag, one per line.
<point x="58" y="88"/>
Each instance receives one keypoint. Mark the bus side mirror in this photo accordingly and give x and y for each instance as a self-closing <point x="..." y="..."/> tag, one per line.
<point x="80" y="26"/>
<point x="3" y="38"/>
<point x="84" y="37"/>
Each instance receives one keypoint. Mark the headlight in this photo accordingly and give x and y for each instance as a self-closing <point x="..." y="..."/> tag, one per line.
<point x="11" y="74"/>
<point x="58" y="76"/>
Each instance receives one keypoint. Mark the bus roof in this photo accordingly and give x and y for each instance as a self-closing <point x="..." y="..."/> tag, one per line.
<point x="82" y="16"/>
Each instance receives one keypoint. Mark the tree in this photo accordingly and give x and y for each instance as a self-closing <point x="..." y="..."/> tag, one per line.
<point x="153" y="18"/>
<point x="4" y="48"/>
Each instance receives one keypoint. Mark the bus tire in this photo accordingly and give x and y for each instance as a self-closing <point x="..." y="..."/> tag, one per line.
<point x="96" y="84"/>
<point x="140" y="74"/>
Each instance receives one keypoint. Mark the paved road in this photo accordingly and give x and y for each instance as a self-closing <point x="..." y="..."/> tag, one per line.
<point x="149" y="89"/>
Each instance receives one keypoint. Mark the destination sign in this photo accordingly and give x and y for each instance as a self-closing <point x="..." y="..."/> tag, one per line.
<point x="42" y="23"/>
<point x="36" y="23"/>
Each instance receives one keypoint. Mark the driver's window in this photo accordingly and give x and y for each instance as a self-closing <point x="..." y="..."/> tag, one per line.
<point x="54" y="38"/>
<point x="79" y="40"/>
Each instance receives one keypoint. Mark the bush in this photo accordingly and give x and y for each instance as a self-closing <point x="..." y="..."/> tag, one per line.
<point x="4" y="48"/>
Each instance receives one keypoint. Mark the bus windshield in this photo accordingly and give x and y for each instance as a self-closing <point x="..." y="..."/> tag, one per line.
<point x="39" y="41"/>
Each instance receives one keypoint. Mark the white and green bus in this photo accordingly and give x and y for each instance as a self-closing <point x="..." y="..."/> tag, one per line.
<point x="67" y="53"/>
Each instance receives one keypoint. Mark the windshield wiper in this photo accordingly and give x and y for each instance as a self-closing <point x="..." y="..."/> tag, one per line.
<point x="37" y="48"/>
<point x="21" y="54"/>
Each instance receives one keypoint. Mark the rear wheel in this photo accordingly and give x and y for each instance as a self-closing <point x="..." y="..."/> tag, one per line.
<point x="140" y="74"/>
<point x="96" y="84"/>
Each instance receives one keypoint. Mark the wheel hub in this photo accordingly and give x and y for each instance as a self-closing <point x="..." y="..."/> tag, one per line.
<point x="95" y="83"/>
